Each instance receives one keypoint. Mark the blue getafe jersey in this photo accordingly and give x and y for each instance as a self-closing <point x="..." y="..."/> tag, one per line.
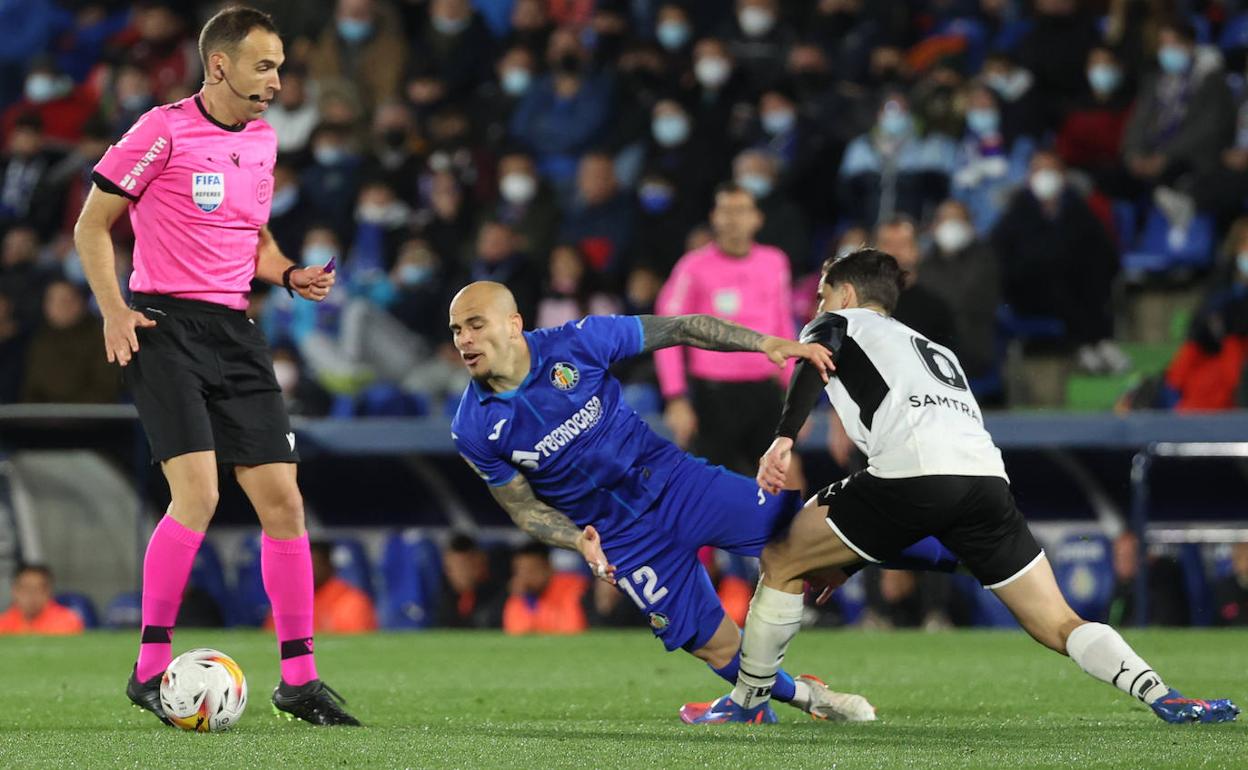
<point x="566" y="428"/>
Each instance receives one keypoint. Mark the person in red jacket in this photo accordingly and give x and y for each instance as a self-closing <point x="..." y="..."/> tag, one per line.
<point x="542" y="601"/>
<point x="34" y="611"/>
<point x="1091" y="135"/>
<point x="63" y="108"/>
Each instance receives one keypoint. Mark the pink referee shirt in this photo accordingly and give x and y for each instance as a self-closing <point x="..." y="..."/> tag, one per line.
<point x="200" y="192"/>
<point x="754" y="291"/>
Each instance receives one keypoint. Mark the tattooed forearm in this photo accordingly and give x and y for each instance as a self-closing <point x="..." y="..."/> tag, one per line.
<point x="700" y="331"/>
<point x="534" y="517"/>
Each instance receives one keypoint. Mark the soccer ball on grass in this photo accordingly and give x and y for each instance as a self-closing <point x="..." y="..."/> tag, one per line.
<point x="203" y="690"/>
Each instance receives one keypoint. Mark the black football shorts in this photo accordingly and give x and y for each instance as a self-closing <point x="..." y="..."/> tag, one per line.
<point x="203" y="380"/>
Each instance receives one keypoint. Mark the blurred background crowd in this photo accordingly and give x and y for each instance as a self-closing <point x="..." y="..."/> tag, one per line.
<point x="1065" y="183"/>
<point x="1062" y="179"/>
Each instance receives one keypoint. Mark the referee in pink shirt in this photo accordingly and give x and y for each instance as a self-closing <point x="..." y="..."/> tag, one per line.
<point x="725" y="406"/>
<point x="197" y="179"/>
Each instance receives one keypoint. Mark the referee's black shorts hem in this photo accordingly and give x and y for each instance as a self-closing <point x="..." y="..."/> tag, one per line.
<point x="974" y="516"/>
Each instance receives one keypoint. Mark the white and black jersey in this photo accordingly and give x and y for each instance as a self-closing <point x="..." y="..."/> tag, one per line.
<point x="904" y="400"/>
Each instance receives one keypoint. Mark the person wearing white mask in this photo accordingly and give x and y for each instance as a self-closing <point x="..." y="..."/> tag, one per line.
<point x="1184" y="116"/>
<point x="1058" y="261"/>
<point x="961" y="269"/>
<point x="784" y="226"/>
<point x="526" y="204"/>
<point x="362" y="44"/>
<point x="515" y="72"/>
<point x="990" y="163"/>
<point x="893" y="168"/>
<point x="759" y="40"/>
<point x="673" y="29"/>
<point x="670" y="126"/>
<point x="1090" y="137"/>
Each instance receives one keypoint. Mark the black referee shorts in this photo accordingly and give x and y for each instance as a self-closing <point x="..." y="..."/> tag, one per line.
<point x="974" y="516"/>
<point x="736" y="421"/>
<point x="203" y="380"/>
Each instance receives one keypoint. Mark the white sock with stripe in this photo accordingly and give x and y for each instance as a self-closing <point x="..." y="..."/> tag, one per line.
<point x="1102" y="652"/>
<point x="774" y="619"/>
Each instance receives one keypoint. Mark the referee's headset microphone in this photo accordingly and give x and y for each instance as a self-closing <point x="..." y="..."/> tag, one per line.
<point x="229" y="85"/>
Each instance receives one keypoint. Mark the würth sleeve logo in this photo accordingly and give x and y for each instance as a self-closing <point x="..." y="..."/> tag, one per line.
<point x="129" y="181"/>
<point x="208" y="190"/>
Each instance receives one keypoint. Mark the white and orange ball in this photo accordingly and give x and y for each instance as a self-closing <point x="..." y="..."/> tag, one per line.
<point x="204" y="691"/>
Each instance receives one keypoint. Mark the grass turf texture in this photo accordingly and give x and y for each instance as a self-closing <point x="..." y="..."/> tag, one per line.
<point x="970" y="699"/>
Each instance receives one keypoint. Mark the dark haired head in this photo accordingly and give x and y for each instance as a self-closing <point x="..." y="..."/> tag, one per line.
<point x="533" y="548"/>
<point x="461" y="542"/>
<point x="1181" y="27"/>
<point x="229" y="27"/>
<point x="876" y="277"/>
<point x="35" y="569"/>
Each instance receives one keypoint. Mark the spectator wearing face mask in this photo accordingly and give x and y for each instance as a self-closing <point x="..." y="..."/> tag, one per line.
<point x="1221" y="189"/>
<point x="894" y="169"/>
<point x="303" y="396"/>
<point x="24" y="166"/>
<point x="526" y="203"/>
<point x="673" y="29"/>
<point x="1022" y="111"/>
<point x="804" y="160"/>
<point x="676" y="152"/>
<point x="494" y="100"/>
<point x="758" y="38"/>
<point x="458" y="44"/>
<point x="50" y="95"/>
<point x="664" y="218"/>
<point x="1184" y="117"/>
<point x="565" y="112"/>
<point x="390" y="157"/>
<point x="363" y="45"/>
<point x="720" y="101"/>
<point x="1058" y="261"/>
<point x="961" y="269"/>
<point x="1091" y="135"/>
<point x="990" y="164"/>
<point x="333" y="178"/>
<point x="784" y="224"/>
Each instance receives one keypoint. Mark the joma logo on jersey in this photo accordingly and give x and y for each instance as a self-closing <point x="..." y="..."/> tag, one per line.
<point x="582" y="420"/>
<point x="128" y="181"/>
<point x="208" y="191"/>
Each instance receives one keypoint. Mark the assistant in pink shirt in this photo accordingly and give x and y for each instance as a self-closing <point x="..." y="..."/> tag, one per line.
<point x="200" y="193"/>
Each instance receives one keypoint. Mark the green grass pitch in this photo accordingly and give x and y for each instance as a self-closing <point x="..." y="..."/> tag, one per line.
<point x="443" y="699"/>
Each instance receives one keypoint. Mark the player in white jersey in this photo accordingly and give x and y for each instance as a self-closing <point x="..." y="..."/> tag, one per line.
<point x="932" y="469"/>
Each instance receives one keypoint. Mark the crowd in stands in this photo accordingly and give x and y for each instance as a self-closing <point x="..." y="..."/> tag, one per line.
<point x="1039" y="153"/>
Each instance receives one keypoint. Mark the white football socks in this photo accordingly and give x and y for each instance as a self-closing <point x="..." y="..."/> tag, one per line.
<point x="1101" y="652"/>
<point x="774" y="619"/>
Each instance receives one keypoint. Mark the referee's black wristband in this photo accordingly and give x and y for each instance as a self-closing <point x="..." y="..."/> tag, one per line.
<point x="286" y="279"/>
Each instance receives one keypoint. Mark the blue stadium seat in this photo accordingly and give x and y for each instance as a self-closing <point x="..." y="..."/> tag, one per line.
<point x="386" y="400"/>
<point x="411" y="569"/>
<point x="1196" y="584"/>
<point x="1013" y="325"/>
<point x="352" y="565"/>
<point x="1161" y="249"/>
<point x="124" y="611"/>
<point x="1126" y="222"/>
<point x="1085" y="574"/>
<point x="250" y="601"/>
<point x="82" y="605"/>
<point x="208" y="576"/>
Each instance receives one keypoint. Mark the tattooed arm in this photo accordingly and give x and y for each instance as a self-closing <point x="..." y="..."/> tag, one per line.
<point x="710" y="333"/>
<point x="700" y="331"/>
<point x="541" y="522"/>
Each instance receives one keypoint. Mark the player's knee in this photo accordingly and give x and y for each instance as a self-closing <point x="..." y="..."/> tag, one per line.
<point x="194" y="505"/>
<point x="282" y="517"/>
<point x="775" y="562"/>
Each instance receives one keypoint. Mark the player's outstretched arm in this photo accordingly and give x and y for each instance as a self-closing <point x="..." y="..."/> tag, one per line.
<point x="710" y="333"/>
<point x="541" y="522"/>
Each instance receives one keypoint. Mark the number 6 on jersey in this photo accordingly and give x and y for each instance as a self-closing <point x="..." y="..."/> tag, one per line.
<point x="651" y="591"/>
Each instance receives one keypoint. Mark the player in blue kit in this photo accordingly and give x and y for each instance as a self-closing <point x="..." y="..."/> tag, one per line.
<point x="543" y="422"/>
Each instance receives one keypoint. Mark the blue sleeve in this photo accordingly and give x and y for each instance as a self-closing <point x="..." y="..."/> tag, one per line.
<point x="606" y="339"/>
<point x="488" y="465"/>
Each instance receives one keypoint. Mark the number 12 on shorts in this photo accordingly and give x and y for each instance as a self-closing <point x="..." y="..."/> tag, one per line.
<point x="651" y="591"/>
